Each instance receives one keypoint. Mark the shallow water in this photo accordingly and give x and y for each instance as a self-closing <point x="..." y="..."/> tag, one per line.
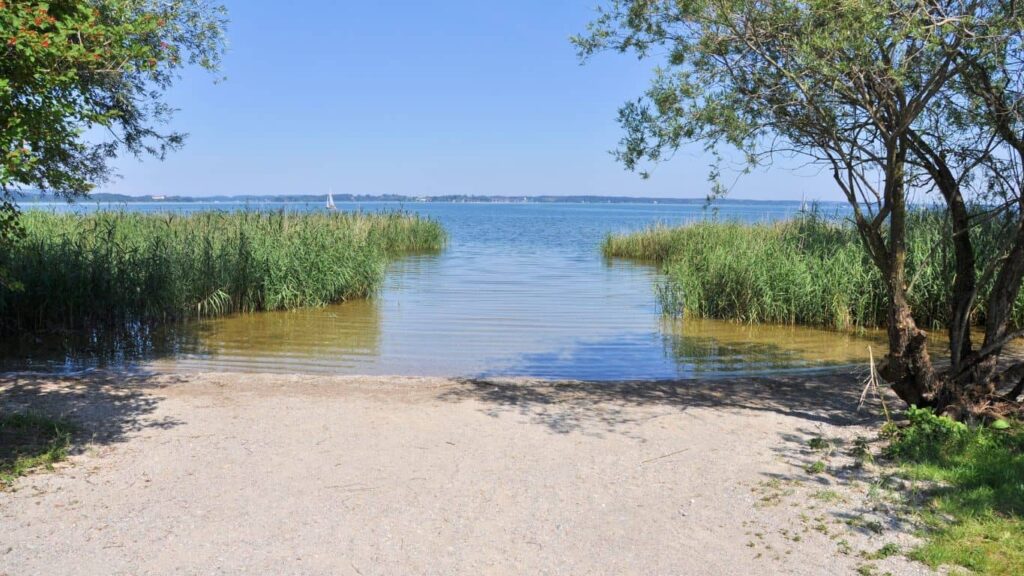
<point x="522" y="289"/>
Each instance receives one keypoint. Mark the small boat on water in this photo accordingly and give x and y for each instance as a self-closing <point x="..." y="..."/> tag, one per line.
<point x="330" y="201"/>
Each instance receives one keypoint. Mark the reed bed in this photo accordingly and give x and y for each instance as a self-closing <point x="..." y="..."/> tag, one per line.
<point x="75" y="271"/>
<point x="808" y="270"/>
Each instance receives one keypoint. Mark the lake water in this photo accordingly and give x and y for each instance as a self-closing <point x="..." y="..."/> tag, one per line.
<point x="522" y="289"/>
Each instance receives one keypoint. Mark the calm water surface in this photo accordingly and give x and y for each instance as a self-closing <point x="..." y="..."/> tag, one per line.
<point x="522" y="289"/>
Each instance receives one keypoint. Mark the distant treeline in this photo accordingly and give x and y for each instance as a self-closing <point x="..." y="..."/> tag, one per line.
<point x="808" y="270"/>
<point x="108" y="198"/>
<point x="74" y="271"/>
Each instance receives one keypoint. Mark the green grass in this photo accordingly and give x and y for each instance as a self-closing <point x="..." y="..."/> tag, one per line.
<point x="820" y="444"/>
<point x="109" y="268"/>
<point x="827" y="496"/>
<point x="29" y="441"/>
<point x="973" y="515"/>
<point x="884" y="552"/>
<point x="808" y="270"/>
<point x="817" y="467"/>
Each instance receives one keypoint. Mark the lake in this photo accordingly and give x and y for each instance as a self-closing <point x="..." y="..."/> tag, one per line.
<point x="521" y="290"/>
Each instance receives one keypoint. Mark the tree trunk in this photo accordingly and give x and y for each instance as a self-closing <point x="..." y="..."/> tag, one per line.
<point x="1004" y="294"/>
<point x="1017" y="391"/>
<point x="965" y="273"/>
<point x="908" y="366"/>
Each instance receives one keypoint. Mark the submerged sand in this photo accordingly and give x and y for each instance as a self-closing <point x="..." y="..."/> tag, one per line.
<point x="244" y="474"/>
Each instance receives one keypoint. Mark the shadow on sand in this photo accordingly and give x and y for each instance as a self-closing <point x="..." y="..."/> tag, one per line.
<point x="107" y="407"/>
<point x="566" y="407"/>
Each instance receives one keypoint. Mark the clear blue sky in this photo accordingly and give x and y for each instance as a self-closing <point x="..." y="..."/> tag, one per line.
<point x="418" y="98"/>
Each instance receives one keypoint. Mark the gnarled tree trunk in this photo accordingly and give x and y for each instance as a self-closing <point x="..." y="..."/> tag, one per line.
<point x="908" y="365"/>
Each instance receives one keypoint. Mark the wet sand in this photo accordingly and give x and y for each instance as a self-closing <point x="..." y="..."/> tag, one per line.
<point x="276" y="474"/>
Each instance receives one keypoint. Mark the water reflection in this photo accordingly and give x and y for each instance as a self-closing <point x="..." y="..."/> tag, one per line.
<point x="334" y="338"/>
<point x="713" y="346"/>
<point x="521" y="290"/>
<point x="694" y="348"/>
<point x="74" y="351"/>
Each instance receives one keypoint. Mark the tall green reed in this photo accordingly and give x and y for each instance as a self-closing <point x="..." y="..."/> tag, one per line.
<point x="808" y="270"/>
<point x="105" y="268"/>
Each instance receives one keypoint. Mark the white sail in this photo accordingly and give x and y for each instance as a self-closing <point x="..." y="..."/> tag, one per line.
<point x="330" y="200"/>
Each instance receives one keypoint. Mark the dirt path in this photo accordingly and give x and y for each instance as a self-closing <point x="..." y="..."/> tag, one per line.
<point x="232" y="474"/>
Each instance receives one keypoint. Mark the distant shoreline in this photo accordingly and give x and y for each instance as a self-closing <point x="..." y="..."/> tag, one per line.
<point x="36" y="198"/>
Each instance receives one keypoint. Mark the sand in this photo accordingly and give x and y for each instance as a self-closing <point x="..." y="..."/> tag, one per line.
<point x="261" y="474"/>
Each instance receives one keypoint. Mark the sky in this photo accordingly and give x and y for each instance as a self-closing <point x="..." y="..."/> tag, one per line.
<point x="419" y="98"/>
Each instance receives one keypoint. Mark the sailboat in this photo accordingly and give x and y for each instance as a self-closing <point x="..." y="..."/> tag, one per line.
<point x="330" y="200"/>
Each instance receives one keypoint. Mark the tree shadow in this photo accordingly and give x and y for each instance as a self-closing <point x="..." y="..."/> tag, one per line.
<point x="828" y="404"/>
<point x="606" y="407"/>
<point x="104" y="407"/>
<point x="876" y="501"/>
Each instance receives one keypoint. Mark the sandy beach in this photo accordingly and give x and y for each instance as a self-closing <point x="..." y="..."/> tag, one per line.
<point x="260" y="474"/>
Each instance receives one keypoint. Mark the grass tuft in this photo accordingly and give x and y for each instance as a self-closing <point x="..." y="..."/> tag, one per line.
<point x="884" y="552"/>
<point x="817" y="467"/>
<point x="29" y="441"/>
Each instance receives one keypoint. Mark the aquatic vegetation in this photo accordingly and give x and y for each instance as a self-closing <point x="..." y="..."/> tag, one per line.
<point x="74" y="271"/>
<point x="809" y="270"/>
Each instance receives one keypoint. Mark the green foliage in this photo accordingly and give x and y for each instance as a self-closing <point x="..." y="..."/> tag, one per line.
<point x="809" y="270"/>
<point x="29" y="441"/>
<point x="973" y="517"/>
<point x="113" y="268"/>
<point x="929" y="437"/>
<point x="799" y="77"/>
<point x="72" y="67"/>
<point x="81" y="80"/>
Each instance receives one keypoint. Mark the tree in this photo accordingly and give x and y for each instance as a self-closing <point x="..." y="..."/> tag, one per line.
<point x="884" y="95"/>
<point x="991" y="85"/>
<point x="83" y="80"/>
